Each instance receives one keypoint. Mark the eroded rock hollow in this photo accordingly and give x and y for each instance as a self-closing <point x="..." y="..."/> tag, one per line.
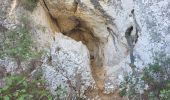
<point x="98" y="28"/>
<point x="91" y="44"/>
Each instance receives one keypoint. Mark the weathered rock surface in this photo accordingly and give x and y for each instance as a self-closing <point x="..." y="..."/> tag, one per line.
<point x="101" y="39"/>
<point x="125" y="33"/>
<point x="153" y="19"/>
<point x="101" y="26"/>
<point x="68" y="66"/>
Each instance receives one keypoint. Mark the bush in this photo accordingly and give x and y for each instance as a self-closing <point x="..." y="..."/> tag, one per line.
<point x="19" y="87"/>
<point x="165" y="93"/>
<point x="29" y="4"/>
<point x="158" y="79"/>
<point x="156" y="76"/>
<point x="18" y="43"/>
<point x="131" y="87"/>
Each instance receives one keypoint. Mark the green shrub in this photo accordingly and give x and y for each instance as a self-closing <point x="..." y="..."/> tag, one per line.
<point x="29" y="4"/>
<point x="158" y="79"/>
<point x="165" y="93"/>
<point x="130" y="87"/>
<point x="18" y="43"/>
<point x="156" y="76"/>
<point x="19" y="87"/>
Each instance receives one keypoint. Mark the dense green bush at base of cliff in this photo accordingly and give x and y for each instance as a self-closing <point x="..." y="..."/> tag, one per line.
<point x="156" y="76"/>
<point x="19" y="87"/>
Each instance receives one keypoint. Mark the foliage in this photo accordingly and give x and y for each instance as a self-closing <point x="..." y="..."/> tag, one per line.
<point x="165" y="93"/>
<point x="123" y="86"/>
<point x="19" y="87"/>
<point x="18" y="43"/>
<point x="156" y="76"/>
<point x="29" y="4"/>
<point x="131" y="86"/>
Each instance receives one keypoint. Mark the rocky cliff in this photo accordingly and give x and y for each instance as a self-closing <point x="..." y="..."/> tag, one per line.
<point x="92" y="44"/>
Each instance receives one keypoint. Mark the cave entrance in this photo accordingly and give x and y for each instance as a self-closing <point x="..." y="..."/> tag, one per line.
<point x="79" y="30"/>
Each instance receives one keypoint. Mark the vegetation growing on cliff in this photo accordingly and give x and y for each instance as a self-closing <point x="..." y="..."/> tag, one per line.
<point x="29" y="4"/>
<point x="156" y="76"/>
<point x="19" y="87"/>
<point x="18" y="43"/>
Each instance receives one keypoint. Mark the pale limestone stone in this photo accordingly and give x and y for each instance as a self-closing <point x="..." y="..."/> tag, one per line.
<point x="67" y="62"/>
<point x="107" y="22"/>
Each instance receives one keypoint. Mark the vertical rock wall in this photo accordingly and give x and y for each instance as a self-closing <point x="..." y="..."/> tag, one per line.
<point x="101" y="27"/>
<point x="153" y="19"/>
<point x="97" y="39"/>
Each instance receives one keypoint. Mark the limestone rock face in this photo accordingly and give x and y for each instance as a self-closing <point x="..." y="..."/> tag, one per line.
<point x="68" y="66"/>
<point x="94" y="42"/>
<point x="117" y="33"/>
<point x="153" y="19"/>
<point x="101" y="26"/>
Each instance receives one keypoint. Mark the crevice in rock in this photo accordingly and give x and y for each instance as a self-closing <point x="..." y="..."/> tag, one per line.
<point x="76" y="6"/>
<point x="81" y="32"/>
<point x="129" y="39"/>
<point x="45" y="6"/>
<point x="131" y="36"/>
<point x="98" y="7"/>
<point x="53" y="23"/>
<point x="138" y="29"/>
<point x="114" y="36"/>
